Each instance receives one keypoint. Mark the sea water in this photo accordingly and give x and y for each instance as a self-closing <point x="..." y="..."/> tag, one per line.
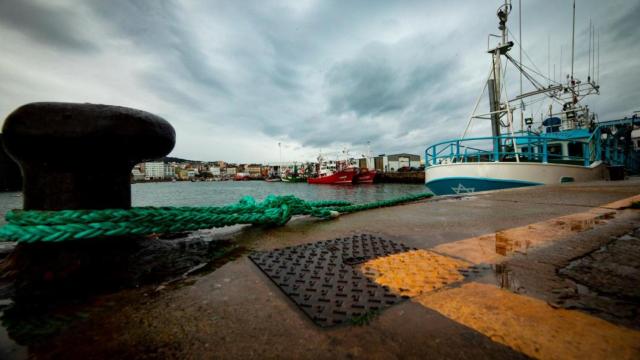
<point x="216" y="193"/>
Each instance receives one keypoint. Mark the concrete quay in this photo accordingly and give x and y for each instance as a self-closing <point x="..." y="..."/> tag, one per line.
<point x="557" y="273"/>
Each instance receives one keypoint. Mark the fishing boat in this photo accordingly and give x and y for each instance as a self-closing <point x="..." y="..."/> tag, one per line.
<point x="342" y="177"/>
<point x="294" y="179"/>
<point x="341" y="174"/>
<point x="364" y="176"/>
<point x="566" y="146"/>
<point x="242" y="176"/>
<point x="297" y="176"/>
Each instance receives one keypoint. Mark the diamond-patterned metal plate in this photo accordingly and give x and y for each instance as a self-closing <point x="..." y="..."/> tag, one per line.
<point x="321" y="279"/>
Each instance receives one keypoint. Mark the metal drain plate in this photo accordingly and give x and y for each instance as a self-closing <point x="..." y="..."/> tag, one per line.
<point x="321" y="279"/>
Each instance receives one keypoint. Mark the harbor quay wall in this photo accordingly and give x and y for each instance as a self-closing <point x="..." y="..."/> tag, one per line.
<point x="409" y="177"/>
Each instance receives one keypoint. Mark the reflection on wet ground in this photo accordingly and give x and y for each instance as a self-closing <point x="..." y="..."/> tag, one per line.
<point x="602" y="282"/>
<point x="506" y="279"/>
<point x="39" y="301"/>
<point x="506" y="244"/>
<point x="493" y="248"/>
<point x="490" y="304"/>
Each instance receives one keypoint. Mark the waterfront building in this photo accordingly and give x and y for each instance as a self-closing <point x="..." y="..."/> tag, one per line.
<point x="154" y="170"/>
<point x="396" y="162"/>
<point x="220" y="164"/>
<point x="137" y="173"/>
<point x="254" y="170"/>
<point x="169" y="171"/>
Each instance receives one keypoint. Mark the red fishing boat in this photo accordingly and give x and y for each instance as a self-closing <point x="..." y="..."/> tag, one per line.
<point x="365" y="176"/>
<point x="327" y="175"/>
<point x="242" y="177"/>
<point x="340" y="177"/>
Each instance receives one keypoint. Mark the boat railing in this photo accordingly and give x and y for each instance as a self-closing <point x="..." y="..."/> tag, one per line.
<point x="516" y="148"/>
<point x="608" y="142"/>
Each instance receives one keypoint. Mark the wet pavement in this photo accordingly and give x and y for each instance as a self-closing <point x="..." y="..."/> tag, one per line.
<point x="544" y="272"/>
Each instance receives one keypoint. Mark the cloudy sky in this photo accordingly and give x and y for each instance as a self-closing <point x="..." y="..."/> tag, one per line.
<point x="237" y="77"/>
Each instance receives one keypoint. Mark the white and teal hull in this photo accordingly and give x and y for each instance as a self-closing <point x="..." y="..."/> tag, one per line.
<point x="458" y="178"/>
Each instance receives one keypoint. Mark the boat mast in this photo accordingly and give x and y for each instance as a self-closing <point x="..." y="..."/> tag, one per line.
<point x="494" y="82"/>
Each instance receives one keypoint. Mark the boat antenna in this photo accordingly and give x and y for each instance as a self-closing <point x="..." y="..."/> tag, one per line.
<point x="520" y="60"/>
<point x="549" y="58"/>
<point x="590" y="41"/>
<point x="598" y="72"/>
<point x="593" y="54"/>
<point x="573" y="38"/>
<point x="560" y="75"/>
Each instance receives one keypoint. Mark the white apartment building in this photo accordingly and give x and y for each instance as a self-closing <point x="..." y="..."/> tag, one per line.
<point x="154" y="170"/>
<point x="169" y="171"/>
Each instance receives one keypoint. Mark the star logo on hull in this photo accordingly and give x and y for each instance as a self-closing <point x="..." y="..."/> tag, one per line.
<point x="463" y="190"/>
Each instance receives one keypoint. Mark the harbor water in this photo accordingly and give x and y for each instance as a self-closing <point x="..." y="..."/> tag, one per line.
<point x="219" y="193"/>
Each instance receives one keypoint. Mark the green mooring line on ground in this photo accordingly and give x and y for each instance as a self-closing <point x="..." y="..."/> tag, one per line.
<point x="25" y="226"/>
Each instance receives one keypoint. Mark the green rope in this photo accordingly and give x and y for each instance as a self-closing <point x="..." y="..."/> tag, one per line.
<point x="32" y="225"/>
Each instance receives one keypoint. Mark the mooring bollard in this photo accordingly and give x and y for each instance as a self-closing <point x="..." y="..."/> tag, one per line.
<point x="80" y="156"/>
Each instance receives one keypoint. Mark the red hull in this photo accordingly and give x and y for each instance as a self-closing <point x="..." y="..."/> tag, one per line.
<point x="341" y="177"/>
<point x="365" y="177"/>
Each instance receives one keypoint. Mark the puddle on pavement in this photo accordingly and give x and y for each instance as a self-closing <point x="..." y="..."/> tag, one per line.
<point x="604" y="282"/>
<point x="493" y="248"/>
<point x="525" y="324"/>
<point x="32" y="312"/>
<point x="507" y="244"/>
<point x="506" y="279"/>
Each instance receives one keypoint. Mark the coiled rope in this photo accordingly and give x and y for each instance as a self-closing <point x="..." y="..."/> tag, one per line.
<point x="25" y="226"/>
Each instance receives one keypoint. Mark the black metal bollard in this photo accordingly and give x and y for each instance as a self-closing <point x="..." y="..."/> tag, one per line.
<point x="79" y="156"/>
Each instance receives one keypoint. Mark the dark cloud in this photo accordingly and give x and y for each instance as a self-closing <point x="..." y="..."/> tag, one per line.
<point x="375" y="82"/>
<point x="160" y="28"/>
<point x="46" y="24"/>
<point x="237" y="77"/>
<point x="626" y="26"/>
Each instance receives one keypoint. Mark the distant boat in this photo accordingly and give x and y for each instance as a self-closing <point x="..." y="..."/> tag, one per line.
<point x="274" y="179"/>
<point x="242" y="177"/>
<point x="326" y="175"/>
<point x="297" y="176"/>
<point x="343" y="177"/>
<point x="294" y="179"/>
<point x="365" y="176"/>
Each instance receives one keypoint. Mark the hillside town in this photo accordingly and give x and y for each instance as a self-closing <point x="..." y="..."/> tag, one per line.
<point x="172" y="169"/>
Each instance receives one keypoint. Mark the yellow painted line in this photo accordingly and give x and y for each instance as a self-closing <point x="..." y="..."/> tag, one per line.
<point x="493" y="248"/>
<point x="525" y="324"/>
<point x="621" y="204"/>
<point x="531" y="326"/>
<point x="415" y="272"/>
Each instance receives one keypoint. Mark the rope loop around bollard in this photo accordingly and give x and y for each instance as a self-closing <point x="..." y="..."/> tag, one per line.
<point x="26" y="226"/>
